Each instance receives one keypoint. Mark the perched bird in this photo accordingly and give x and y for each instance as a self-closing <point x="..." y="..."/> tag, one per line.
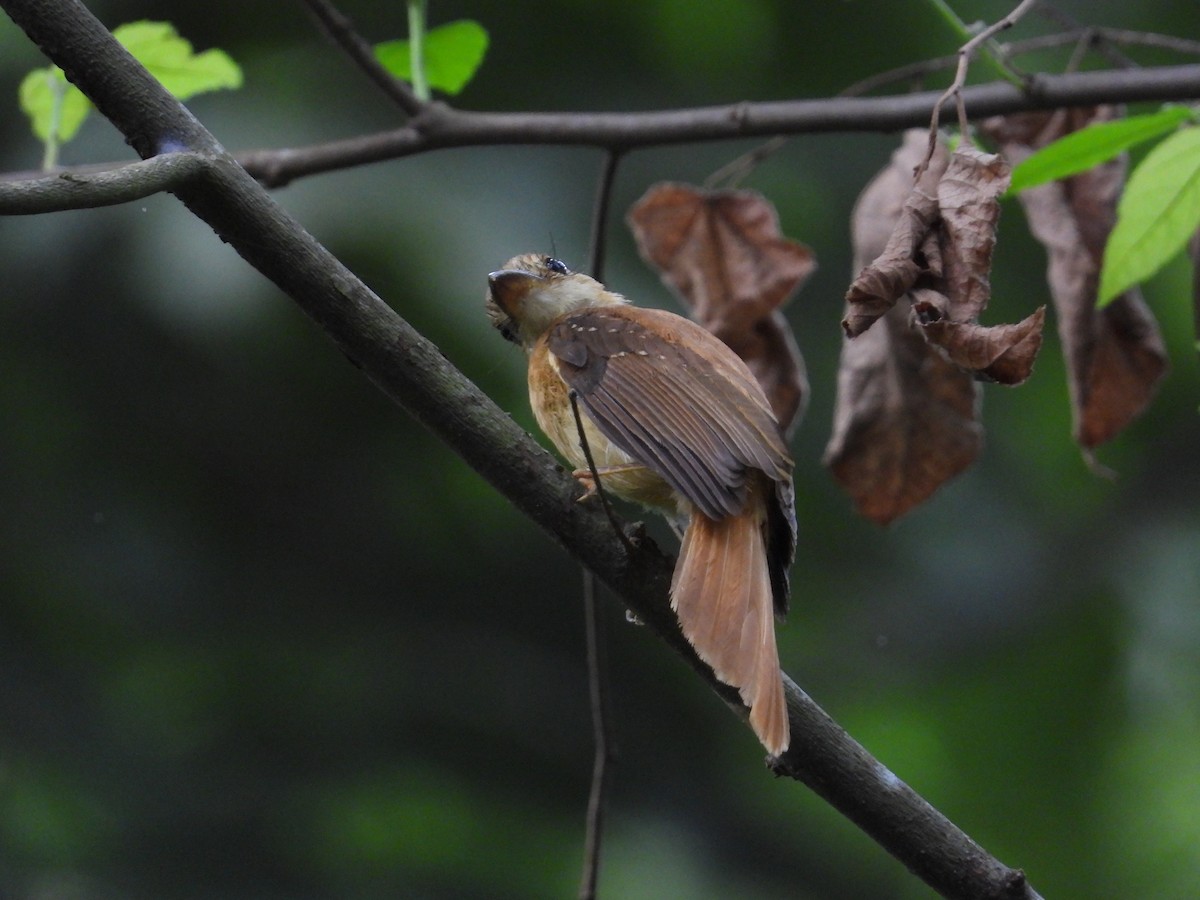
<point x="675" y="421"/>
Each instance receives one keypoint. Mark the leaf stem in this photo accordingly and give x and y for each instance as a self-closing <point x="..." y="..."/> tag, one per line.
<point x="57" y="92"/>
<point x="416" y="43"/>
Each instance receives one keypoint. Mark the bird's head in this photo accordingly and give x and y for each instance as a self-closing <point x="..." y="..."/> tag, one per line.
<point x="532" y="290"/>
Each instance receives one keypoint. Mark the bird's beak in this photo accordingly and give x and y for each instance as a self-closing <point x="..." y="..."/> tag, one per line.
<point x="509" y="287"/>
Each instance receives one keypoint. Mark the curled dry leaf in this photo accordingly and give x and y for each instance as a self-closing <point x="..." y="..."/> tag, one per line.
<point x="1115" y="356"/>
<point x="1001" y="353"/>
<point x="901" y="256"/>
<point x="905" y="419"/>
<point x="723" y="254"/>
<point x="969" y="202"/>
<point x="941" y="246"/>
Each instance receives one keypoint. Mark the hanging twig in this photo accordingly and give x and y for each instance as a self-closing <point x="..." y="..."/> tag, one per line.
<point x="600" y="214"/>
<point x="573" y="396"/>
<point x="731" y="174"/>
<point x="965" y="53"/>
<point x="605" y="751"/>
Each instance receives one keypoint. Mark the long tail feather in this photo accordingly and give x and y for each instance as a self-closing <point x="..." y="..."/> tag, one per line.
<point x="721" y="592"/>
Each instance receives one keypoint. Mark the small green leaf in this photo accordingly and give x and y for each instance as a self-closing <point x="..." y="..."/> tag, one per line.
<point x="158" y="47"/>
<point x="1158" y="212"/>
<point x="453" y="53"/>
<point x="40" y="92"/>
<point x="169" y="58"/>
<point x="1081" y="150"/>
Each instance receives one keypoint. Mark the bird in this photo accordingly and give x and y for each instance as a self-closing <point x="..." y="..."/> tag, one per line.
<point x="676" y="422"/>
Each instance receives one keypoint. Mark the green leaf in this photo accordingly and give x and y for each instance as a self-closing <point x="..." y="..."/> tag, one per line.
<point x="1081" y="150"/>
<point x="1158" y="212"/>
<point x="453" y="53"/>
<point x="169" y="58"/>
<point x="40" y="92"/>
<point x="158" y="47"/>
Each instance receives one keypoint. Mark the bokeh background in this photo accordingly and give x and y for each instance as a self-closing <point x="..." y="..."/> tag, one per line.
<point x="262" y="636"/>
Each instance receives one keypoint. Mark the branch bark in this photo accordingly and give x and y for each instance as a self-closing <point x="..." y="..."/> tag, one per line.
<point x="440" y="126"/>
<point x="88" y="190"/>
<point x="411" y="370"/>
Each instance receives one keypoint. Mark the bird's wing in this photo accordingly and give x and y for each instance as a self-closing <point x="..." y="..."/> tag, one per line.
<point x="674" y="398"/>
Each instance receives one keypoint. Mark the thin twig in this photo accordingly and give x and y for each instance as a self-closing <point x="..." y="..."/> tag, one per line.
<point x="605" y="749"/>
<point x="597" y="664"/>
<point x="1108" y="52"/>
<point x="981" y="39"/>
<point x="965" y="54"/>
<point x="1101" y="38"/>
<point x="600" y="492"/>
<point x="600" y="213"/>
<point x="339" y="27"/>
<point x="599" y="222"/>
<point x="1124" y="37"/>
<point x="731" y="174"/>
<point x="1085" y="43"/>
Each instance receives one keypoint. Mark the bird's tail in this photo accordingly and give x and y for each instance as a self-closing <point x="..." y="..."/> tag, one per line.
<point x="721" y="592"/>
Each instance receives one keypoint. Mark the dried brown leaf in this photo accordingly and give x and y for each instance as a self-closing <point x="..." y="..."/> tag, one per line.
<point x="1002" y="353"/>
<point x="721" y="251"/>
<point x="905" y="421"/>
<point x="905" y="416"/>
<point x="723" y="254"/>
<point x="968" y="200"/>
<point x="912" y="212"/>
<point x="1127" y="360"/>
<point x="1115" y="356"/>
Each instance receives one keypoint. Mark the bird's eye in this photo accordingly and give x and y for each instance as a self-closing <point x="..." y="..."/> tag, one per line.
<point x="557" y="266"/>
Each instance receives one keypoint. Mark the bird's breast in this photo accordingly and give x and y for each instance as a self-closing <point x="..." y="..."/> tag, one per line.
<point x="550" y="398"/>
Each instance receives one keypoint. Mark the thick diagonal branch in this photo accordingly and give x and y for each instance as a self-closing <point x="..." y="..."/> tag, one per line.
<point x="413" y="372"/>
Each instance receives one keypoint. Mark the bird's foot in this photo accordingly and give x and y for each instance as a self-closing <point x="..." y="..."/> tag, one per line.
<point x="590" y="489"/>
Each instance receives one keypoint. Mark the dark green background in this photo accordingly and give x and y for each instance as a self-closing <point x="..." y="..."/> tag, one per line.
<point x="262" y="636"/>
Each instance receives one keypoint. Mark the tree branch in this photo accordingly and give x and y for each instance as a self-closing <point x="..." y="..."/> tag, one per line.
<point x="334" y="23"/>
<point x="411" y="370"/>
<point x="80" y="190"/>
<point x="441" y="126"/>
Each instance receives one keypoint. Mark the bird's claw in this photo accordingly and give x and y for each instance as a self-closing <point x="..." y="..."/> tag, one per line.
<point x="584" y="477"/>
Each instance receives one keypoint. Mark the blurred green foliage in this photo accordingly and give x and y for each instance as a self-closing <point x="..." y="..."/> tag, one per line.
<point x="262" y="636"/>
<point x="56" y="108"/>
<point x="452" y="53"/>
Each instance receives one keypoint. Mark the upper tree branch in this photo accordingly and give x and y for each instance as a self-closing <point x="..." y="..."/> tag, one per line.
<point x="411" y="370"/>
<point x="440" y="126"/>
